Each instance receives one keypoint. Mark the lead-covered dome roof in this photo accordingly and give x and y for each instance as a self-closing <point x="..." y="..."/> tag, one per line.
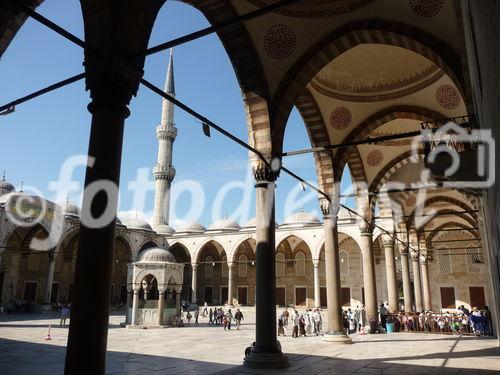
<point x="156" y="255"/>
<point x="301" y="218"/>
<point x="138" y="224"/>
<point x="192" y="227"/>
<point x="225" y="224"/>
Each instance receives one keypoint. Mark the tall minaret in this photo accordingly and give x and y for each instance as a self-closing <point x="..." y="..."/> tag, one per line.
<point x="163" y="171"/>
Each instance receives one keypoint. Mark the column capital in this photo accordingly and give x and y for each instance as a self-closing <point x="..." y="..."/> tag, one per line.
<point x="366" y="229"/>
<point x="194" y="266"/>
<point x="230" y="265"/>
<point x="388" y="240"/>
<point x="266" y="173"/>
<point x="330" y="209"/>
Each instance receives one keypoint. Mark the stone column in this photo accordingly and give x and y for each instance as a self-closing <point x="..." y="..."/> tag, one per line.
<point x="417" y="286"/>
<point x="50" y="277"/>
<point x="266" y="352"/>
<point x="317" y="287"/>
<point x="335" y="332"/>
<point x="194" y="282"/>
<point x="369" y="279"/>
<point x="135" y="306"/>
<point x="230" y="290"/>
<point x="115" y="32"/>
<point x="178" y="301"/>
<point x="390" y="269"/>
<point x="425" y="285"/>
<point x="405" y="275"/>
<point x="161" y="305"/>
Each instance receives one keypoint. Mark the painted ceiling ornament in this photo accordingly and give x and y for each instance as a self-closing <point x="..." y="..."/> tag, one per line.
<point x="448" y="97"/>
<point x="316" y="8"/>
<point x="340" y="118"/>
<point x="427" y="8"/>
<point x="375" y="158"/>
<point x="280" y="42"/>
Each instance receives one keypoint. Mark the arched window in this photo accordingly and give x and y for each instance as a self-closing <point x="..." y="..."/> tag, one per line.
<point x="225" y="269"/>
<point x="209" y="266"/>
<point x="444" y="261"/>
<point x="473" y="260"/>
<point x="300" y="264"/>
<point x="280" y="264"/>
<point x="344" y="263"/>
<point x="242" y="265"/>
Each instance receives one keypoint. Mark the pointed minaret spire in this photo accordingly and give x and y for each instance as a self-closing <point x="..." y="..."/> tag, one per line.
<point x="169" y="82"/>
<point x="163" y="171"/>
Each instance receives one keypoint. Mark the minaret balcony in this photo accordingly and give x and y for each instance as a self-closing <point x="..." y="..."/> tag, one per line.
<point x="161" y="172"/>
<point x="166" y="132"/>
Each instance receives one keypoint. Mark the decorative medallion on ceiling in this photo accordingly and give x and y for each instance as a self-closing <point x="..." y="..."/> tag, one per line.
<point x="316" y="8"/>
<point x="375" y="158"/>
<point x="340" y="118"/>
<point x="448" y="97"/>
<point x="427" y="8"/>
<point x="280" y="42"/>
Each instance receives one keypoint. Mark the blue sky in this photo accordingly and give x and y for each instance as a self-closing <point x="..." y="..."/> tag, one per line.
<point x="42" y="134"/>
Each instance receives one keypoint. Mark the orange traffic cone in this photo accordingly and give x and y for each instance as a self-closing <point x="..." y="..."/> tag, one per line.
<point x="47" y="338"/>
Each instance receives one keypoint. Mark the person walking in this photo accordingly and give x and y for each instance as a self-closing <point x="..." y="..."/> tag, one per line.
<point x="357" y="316"/>
<point x="296" y="320"/>
<point x="302" y="326"/>
<point x="285" y="315"/>
<point x="308" y="321"/>
<point x="210" y="316"/>
<point x="64" y="315"/>
<point x="196" y="315"/>
<point x="281" y="330"/>
<point x="317" y="322"/>
<point x="383" y="315"/>
<point x="238" y="317"/>
<point x="205" y="308"/>
<point x="229" y="318"/>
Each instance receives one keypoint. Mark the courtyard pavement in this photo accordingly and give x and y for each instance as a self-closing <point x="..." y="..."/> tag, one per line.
<point x="207" y="349"/>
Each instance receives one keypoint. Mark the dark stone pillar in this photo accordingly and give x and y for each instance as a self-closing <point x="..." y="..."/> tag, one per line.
<point x="266" y="351"/>
<point x="114" y="33"/>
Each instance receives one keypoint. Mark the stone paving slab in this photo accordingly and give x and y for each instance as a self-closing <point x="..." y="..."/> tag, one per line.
<point x="207" y="349"/>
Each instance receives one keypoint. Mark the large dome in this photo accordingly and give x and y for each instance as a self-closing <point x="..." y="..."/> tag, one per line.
<point x="139" y="224"/>
<point x="225" y="224"/>
<point x="155" y="255"/>
<point x="301" y="219"/>
<point x="6" y="197"/>
<point x="252" y="224"/>
<point x="192" y="227"/>
<point x="164" y="229"/>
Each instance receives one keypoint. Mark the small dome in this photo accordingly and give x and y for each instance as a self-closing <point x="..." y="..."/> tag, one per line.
<point x="164" y="229"/>
<point x="139" y="224"/>
<point x="155" y="255"/>
<point x="225" y="224"/>
<point x="71" y="209"/>
<point x="301" y="218"/>
<point x="6" y="187"/>
<point x="192" y="227"/>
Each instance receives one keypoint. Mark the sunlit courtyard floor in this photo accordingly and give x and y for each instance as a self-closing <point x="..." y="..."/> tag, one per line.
<point x="207" y="349"/>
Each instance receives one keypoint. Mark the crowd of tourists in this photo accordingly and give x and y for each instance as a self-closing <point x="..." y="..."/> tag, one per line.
<point x="476" y="322"/>
<point x="308" y="323"/>
<point x="216" y="316"/>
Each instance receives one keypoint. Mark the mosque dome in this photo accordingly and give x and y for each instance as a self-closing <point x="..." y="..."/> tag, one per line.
<point x="6" y="187"/>
<point x="192" y="227"/>
<point x="139" y="224"/>
<point x="164" y="229"/>
<point x="70" y="209"/>
<point x="155" y="255"/>
<point x="225" y="225"/>
<point x="301" y="218"/>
